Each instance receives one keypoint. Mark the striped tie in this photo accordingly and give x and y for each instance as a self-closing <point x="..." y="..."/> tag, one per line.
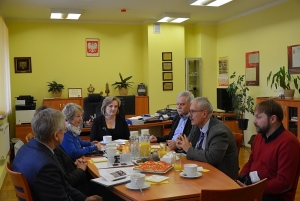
<point x="200" y="141"/>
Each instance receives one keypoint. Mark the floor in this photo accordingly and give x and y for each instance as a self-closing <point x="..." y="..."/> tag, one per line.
<point x="7" y="191"/>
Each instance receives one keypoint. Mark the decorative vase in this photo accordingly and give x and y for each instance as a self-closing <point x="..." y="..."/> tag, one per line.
<point x="123" y="91"/>
<point x="56" y="94"/>
<point x="141" y="90"/>
<point x="289" y="93"/>
<point x="243" y="124"/>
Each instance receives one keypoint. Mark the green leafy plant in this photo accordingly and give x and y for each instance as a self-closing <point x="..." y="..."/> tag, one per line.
<point x="54" y="86"/>
<point x="123" y="83"/>
<point x="238" y="89"/>
<point x="282" y="78"/>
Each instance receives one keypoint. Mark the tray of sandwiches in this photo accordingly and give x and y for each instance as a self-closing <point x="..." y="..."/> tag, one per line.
<point x="159" y="167"/>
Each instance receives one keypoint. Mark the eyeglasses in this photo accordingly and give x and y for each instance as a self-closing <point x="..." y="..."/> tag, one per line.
<point x="193" y="111"/>
<point x="180" y="104"/>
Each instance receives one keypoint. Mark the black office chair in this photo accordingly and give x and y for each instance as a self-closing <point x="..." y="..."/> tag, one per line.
<point x="92" y="105"/>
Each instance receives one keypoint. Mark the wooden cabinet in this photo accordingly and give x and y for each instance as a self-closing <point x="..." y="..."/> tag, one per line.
<point x="141" y="105"/>
<point x="291" y="112"/>
<point x="59" y="103"/>
<point x="22" y="130"/>
<point x="230" y="119"/>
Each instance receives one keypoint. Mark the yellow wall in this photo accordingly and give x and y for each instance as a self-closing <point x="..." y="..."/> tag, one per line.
<point x="270" y="32"/>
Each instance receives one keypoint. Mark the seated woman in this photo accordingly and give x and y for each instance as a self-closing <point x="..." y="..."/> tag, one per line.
<point x="72" y="144"/>
<point x="110" y="122"/>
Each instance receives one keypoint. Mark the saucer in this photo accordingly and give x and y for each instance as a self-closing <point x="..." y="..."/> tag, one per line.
<point x="102" y="142"/>
<point x="198" y="174"/>
<point x="128" y="185"/>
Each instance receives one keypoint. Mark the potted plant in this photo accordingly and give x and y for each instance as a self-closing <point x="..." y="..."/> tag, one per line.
<point x="283" y="79"/>
<point x="123" y="85"/>
<point x="241" y="102"/>
<point x="55" y="88"/>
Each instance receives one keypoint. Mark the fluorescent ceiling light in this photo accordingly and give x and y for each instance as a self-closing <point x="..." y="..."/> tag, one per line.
<point x="174" y="17"/>
<point x="64" y="13"/>
<point x="214" y="3"/>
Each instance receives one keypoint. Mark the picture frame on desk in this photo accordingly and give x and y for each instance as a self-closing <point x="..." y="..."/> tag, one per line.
<point x="23" y="65"/>
<point x="74" y="92"/>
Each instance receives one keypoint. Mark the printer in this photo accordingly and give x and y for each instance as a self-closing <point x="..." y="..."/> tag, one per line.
<point x="25" y="109"/>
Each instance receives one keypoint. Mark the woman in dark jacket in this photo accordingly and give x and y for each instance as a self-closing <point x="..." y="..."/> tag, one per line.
<point x="109" y="122"/>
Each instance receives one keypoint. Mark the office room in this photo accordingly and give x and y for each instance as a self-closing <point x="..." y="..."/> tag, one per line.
<point x="57" y="51"/>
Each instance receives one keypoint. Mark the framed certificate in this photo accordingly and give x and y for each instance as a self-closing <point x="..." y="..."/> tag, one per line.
<point x="167" y="76"/>
<point x="167" y="66"/>
<point x="167" y="86"/>
<point x="74" y="92"/>
<point x="167" y="56"/>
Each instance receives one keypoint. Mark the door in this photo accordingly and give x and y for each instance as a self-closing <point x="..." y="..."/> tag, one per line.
<point x="193" y="76"/>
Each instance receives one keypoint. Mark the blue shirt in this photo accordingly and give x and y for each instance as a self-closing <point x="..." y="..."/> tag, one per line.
<point x="180" y="126"/>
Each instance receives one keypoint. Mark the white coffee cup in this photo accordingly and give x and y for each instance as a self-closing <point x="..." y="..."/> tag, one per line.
<point x="190" y="169"/>
<point x="137" y="180"/>
<point x="110" y="151"/>
<point x="107" y="138"/>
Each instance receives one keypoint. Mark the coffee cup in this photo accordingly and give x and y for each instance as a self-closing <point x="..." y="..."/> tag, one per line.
<point x="111" y="151"/>
<point x="190" y="170"/>
<point x="111" y="144"/>
<point x="107" y="139"/>
<point x="137" y="180"/>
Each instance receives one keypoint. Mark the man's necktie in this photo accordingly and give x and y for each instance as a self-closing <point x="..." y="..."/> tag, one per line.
<point x="200" y="141"/>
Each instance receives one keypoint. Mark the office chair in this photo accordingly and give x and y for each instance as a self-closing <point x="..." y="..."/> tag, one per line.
<point x="20" y="183"/>
<point x="248" y="193"/>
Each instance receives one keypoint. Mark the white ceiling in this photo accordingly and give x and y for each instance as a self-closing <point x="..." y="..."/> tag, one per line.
<point x="138" y="11"/>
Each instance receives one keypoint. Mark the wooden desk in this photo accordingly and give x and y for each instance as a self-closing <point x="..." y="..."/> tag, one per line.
<point x="163" y="125"/>
<point x="179" y="188"/>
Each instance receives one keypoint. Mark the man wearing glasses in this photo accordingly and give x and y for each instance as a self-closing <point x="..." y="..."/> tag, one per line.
<point x="210" y="140"/>
<point x="181" y="122"/>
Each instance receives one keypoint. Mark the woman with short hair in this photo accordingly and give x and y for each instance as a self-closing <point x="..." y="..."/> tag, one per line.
<point x="72" y="144"/>
<point x="110" y="122"/>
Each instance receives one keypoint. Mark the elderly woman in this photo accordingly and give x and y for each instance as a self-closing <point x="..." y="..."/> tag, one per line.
<point x="110" y="122"/>
<point x="72" y="144"/>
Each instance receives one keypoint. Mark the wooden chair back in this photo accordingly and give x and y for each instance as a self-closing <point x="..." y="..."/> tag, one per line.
<point x="248" y="193"/>
<point x="20" y="183"/>
<point x="239" y="140"/>
<point x="29" y="137"/>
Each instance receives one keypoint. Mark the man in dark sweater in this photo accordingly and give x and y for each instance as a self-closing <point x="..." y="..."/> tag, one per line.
<point x="181" y="123"/>
<point x="275" y="155"/>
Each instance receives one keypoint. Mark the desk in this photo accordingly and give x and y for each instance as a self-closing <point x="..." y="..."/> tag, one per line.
<point x="179" y="188"/>
<point x="162" y="125"/>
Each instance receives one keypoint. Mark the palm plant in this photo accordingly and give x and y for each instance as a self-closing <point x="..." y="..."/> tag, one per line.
<point x="123" y="83"/>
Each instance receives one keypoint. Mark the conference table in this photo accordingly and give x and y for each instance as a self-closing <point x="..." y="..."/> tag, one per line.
<point x="178" y="188"/>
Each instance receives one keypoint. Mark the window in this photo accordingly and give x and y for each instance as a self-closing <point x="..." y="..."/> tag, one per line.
<point x="5" y="94"/>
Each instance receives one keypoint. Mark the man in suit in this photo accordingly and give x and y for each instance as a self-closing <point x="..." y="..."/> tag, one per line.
<point x="181" y="122"/>
<point x="210" y="140"/>
<point x="38" y="163"/>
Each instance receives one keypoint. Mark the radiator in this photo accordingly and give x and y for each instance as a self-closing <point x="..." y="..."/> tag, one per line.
<point x="4" y="141"/>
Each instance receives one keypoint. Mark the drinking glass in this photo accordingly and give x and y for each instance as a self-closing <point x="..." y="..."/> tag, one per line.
<point x="163" y="149"/>
<point x="144" y="142"/>
<point x="177" y="163"/>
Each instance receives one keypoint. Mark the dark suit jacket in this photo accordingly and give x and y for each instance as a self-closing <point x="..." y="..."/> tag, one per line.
<point x="76" y="177"/>
<point x="175" y="122"/>
<point x="44" y="174"/>
<point x="99" y="129"/>
<point x="220" y="148"/>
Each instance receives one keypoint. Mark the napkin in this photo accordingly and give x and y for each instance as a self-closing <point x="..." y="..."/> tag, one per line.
<point x="99" y="160"/>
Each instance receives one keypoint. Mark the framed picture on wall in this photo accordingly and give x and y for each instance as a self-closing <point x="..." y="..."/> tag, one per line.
<point x="167" y="86"/>
<point x="167" y="56"/>
<point x="23" y="65"/>
<point x="92" y="46"/>
<point x="167" y="76"/>
<point x="167" y="66"/>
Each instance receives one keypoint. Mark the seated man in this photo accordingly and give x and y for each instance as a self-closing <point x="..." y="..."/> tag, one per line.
<point x="210" y="140"/>
<point x="38" y="163"/>
<point x="181" y="122"/>
<point x="275" y="154"/>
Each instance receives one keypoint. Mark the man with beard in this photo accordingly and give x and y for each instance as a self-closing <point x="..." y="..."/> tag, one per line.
<point x="181" y="122"/>
<point x="275" y="155"/>
<point x="210" y="140"/>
